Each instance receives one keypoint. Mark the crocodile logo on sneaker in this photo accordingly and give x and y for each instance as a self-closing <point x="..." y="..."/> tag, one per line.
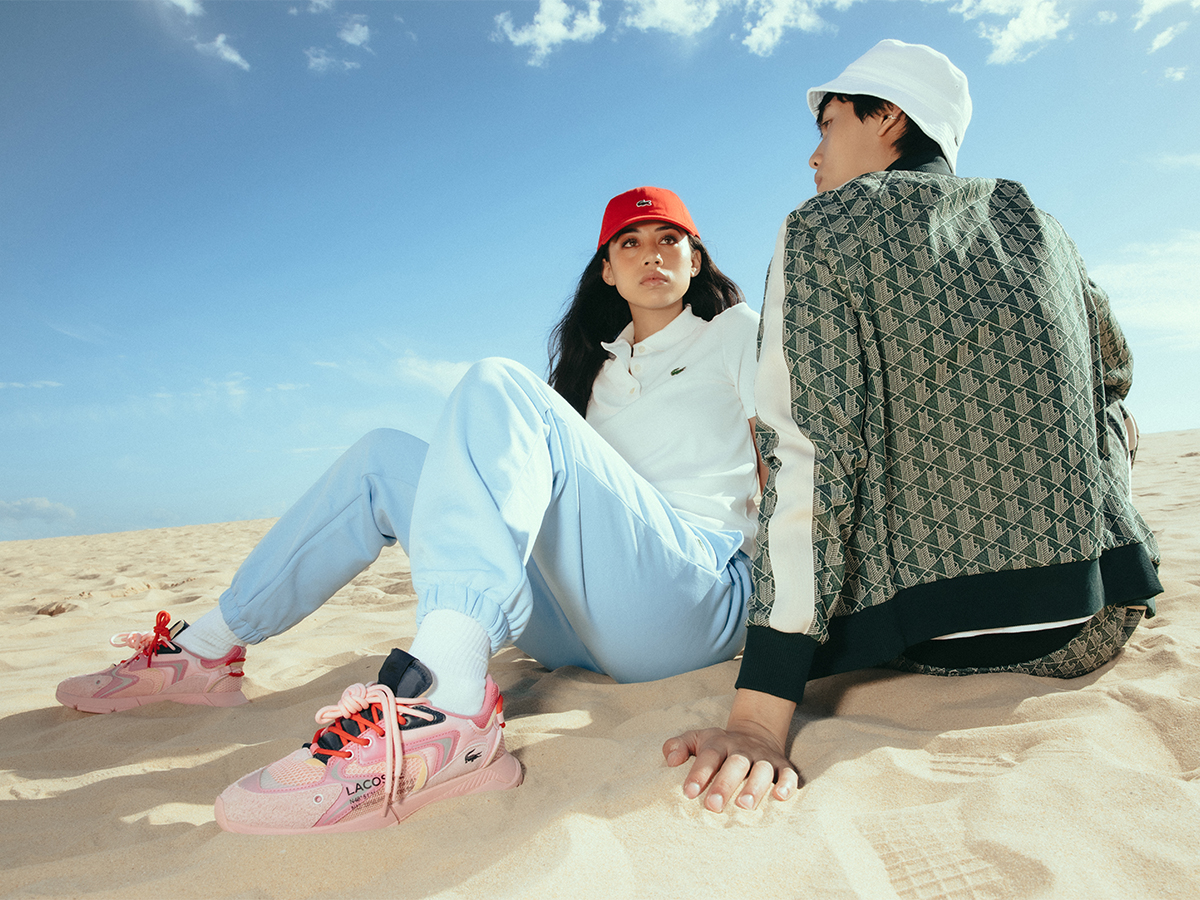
<point x="473" y="755"/>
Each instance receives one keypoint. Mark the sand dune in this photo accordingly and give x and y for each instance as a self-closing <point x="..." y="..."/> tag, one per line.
<point x="1000" y="786"/>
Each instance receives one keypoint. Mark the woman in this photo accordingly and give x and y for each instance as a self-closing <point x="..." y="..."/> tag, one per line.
<point x="615" y="543"/>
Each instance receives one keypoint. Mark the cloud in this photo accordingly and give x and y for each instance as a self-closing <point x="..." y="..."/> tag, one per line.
<point x="321" y="60"/>
<point x="679" y="17"/>
<point x="1015" y="28"/>
<point x="355" y="31"/>
<point x="87" y="332"/>
<point x="221" y="50"/>
<point x="1176" y="73"/>
<point x="437" y="374"/>
<point x="1181" y="160"/>
<point x="1165" y="37"/>
<point x="1106" y="17"/>
<point x="1030" y="22"/>
<point x="1157" y="287"/>
<point x="776" y="16"/>
<point x="555" y="23"/>
<point x="189" y="7"/>
<point x="29" y="384"/>
<point x="1151" y="8"/>
<point x="35" y="508"/>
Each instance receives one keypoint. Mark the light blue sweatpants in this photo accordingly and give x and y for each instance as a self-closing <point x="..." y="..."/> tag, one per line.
<point x="519" y="515"/>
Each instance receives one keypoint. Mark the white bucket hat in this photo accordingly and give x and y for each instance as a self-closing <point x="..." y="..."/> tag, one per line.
<point x="929" y="88"/>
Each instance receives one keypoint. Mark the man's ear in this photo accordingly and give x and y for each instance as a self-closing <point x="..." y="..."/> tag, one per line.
<point x="892" y="122"/>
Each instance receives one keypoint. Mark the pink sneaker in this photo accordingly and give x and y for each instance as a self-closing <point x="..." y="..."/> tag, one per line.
<point x="378" y="760"/>
<point x="159" y="670"/>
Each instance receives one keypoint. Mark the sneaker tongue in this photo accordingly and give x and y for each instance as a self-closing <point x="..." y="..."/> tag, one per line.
<point x="404" y="674"/>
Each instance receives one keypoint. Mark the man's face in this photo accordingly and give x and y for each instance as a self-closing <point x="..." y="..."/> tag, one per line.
<point x="851" y="146"/>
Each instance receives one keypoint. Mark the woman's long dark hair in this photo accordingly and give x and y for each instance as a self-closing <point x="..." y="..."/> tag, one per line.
<point x="597" y="313"/>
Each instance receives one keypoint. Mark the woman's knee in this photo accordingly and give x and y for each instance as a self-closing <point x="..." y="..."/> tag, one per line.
<point x="383" y="444"/>
<point x="496" y="372"/>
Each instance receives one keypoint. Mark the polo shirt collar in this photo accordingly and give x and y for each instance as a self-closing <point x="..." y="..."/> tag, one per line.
<point x="679" y="328"/>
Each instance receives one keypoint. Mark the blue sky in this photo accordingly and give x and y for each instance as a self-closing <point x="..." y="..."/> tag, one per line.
<point x="236" y="236"/>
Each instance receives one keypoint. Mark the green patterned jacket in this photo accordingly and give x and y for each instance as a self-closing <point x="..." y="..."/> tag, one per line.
<point x="938" y="402"/>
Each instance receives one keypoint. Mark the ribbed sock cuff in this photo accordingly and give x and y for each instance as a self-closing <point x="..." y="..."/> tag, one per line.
<point x="208" y="637"/>
<point x="456" y="649"/>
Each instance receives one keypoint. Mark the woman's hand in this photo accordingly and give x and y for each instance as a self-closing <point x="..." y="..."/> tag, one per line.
<point x="744" y="758"/>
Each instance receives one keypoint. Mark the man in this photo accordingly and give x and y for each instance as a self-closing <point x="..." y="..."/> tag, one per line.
<point x="939" y="402"/>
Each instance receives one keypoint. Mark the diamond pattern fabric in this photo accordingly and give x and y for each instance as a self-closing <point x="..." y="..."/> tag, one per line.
<point x="960" y="378"/>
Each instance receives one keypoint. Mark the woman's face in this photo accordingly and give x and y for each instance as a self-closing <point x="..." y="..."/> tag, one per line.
<point x="651" y="265"/>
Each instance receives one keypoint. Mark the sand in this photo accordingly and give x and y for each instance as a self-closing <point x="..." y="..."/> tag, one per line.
<point x="993" y="786"/>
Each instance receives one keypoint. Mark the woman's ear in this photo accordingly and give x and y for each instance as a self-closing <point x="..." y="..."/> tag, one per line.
<point x="606" y="273"/>
<point x="696" y="261"/>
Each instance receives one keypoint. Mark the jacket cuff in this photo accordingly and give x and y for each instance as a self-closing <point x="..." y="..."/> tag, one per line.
<point x="776" y="662"/>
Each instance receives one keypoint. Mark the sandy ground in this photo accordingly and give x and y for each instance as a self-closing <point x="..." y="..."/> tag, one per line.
<point x="993" y="786"/>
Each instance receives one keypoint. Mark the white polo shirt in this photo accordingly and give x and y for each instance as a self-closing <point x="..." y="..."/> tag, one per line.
<point x="676" y="406"/>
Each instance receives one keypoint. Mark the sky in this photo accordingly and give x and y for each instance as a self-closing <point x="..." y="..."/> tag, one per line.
<point x="235" y="236"/>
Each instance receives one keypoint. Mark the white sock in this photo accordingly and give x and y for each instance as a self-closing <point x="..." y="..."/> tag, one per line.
<point x="208" y="637"/>
<point x="456" y="649"/>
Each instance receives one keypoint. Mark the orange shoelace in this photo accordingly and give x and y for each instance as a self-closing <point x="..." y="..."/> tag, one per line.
<point x="387" y="715"/>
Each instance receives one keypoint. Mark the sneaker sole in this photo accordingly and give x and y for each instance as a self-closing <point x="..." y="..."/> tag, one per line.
<point x="504" y="773"/>
<point x="117" y="704"/>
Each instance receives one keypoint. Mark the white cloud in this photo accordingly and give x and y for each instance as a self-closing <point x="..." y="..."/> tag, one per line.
<point x="1151" y="8"/>
<point x="1165" y="37"/>
<point x="1016" y="29"/>
<point x="1030" y="22"/>
<point x="1157" y="287"/>
<point x="320" y="6"/>
<point x="776" y="16"/>
<point x="555" y="23"/>
<point x="437" y="374"/>
<point x="1175" y="73"/>
<point x="681" y="17"/>
<point x="355" y="31"/>
<point x="220" y="49"/>
<point x="1181" y="160"/>
<point x="29" y="384"/>
<point x="321" y="60"/>
<point x="35" y="508"/>
<point x="189" y="7"/>
<point x="231" y="386"/>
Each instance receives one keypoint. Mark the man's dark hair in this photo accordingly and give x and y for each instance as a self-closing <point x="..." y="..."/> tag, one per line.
<point x="913" y="142"/>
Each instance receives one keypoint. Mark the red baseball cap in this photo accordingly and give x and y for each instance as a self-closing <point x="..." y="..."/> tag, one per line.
<point x="641" y="205"/>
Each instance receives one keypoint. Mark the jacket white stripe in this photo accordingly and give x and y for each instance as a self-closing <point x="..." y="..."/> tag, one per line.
<point x="790" y="526"/>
